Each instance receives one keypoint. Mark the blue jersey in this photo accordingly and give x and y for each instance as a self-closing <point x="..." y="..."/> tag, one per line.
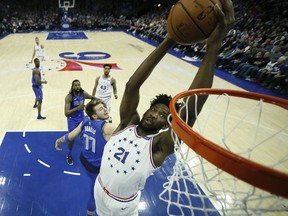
<point x="93" y="141"/>
<point x="76" y="101"/>
<point x="34" y="83"/>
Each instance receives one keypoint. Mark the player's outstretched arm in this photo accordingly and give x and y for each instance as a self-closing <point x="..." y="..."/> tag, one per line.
<point x="205" y="74"/>
<point x="131" y="96"/>
<point x="68" y="137"/>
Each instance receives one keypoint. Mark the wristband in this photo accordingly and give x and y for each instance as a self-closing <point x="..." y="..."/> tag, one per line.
<point x="66" y="137"/>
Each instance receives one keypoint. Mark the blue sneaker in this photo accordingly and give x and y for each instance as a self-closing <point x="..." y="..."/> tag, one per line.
<point x="41" y="117"/>
<point x="69" y="159"/>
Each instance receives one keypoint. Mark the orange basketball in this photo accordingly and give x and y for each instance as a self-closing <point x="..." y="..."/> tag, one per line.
<point x="192" y="21"/>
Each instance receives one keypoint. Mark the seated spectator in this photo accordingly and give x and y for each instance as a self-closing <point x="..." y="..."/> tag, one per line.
<point x="279" y="68"/>
<point x="276" y="53"/>
<point x="279" y="80"/>
<point x="223" y="60"/>
<point x="242" y="68"/>
<point x="260" y="63"/>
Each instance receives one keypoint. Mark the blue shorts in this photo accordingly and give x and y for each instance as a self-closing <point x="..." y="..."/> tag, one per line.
<point x="38" y="93"/>
<point x="73" y="123"/>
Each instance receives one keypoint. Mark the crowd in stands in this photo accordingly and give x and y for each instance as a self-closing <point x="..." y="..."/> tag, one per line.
<point x="256" y="49"/>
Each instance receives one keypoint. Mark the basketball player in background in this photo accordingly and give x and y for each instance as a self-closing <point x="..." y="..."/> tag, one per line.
<point x="74" y="111"/>
<point x="104" y="85"/>
<point x="37" y="86"/>
<point x="137" y="146"/>
<point x="95" y="132"/>
<point x="38" y="52"/>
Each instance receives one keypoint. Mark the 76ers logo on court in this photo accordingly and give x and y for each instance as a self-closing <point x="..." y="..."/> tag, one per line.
<point x="74" y="61"/>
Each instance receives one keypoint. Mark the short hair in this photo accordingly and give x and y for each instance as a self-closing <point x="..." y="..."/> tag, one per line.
<point x="107" y="65"/>
<point x="163" y="99"/>
<point x="90" y="107"/>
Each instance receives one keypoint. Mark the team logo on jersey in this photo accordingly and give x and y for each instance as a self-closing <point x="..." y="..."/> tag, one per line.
<point x="75" y="62"/>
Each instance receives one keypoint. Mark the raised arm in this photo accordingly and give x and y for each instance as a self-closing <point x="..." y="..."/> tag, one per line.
<point x="205" y="74"/>
<point x="88" y="96"/>
<point x="68" y="137"/>
<point x="203" y="78"/>
<point x="131" y="96"/>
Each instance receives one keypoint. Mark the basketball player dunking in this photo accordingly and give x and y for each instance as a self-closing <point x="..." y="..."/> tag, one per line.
<point x="137" y="147"/>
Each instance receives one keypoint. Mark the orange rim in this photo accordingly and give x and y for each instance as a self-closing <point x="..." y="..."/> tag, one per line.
<point x="251" y="172"/>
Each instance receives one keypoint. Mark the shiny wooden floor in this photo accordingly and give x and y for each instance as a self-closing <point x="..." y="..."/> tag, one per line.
<point x="171" y="76"/>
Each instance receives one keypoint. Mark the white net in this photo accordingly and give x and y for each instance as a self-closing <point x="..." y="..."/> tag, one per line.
<point x="252" y="129"/>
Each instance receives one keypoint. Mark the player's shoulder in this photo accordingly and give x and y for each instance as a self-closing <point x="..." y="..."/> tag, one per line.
<point x="36" y="70"/>
<point x="68" y="96"/>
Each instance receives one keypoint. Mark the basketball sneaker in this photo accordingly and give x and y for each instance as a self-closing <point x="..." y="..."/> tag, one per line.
<point x="41" y="117"/>
<point x="69" y="159"/>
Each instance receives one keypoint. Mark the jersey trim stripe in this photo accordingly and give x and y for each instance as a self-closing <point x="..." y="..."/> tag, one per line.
<point x="117" y="198"/>
<point x="151" y="153"/>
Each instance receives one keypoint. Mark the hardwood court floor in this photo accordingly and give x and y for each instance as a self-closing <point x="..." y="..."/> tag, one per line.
<point x="171" y="76"/>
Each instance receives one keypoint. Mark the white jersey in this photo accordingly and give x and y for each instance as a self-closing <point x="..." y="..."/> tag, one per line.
<point x="127" y="161"/>
<point x="38" y="51"/>
<point x="40" y="54"/>
<point x="104" y="88"/>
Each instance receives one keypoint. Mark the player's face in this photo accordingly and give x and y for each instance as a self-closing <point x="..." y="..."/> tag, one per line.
<point x="106" y="70"/>
<point x="76" y="87"/>
<point x="155" y="118"/>
<point x="37" y="62"/>
<point x="37" y="40"/>
<point x="101" y="111"/>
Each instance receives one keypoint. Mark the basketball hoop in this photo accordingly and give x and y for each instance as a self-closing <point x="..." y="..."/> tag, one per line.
<point x="66" y="6"/>
<point x="226" y="176"/>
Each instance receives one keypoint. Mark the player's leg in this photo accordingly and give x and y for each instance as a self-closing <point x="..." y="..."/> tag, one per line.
<point x="35" y="103"/>
<point x="39" y="97"/>
<point x="72" y="124"/>
<point x="91" y="207"/>
<point x="69" y="158"/>
<point x="108" y="105"/>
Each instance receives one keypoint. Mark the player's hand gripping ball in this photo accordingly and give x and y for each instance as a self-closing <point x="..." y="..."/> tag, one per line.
<point x="192" y="21"/>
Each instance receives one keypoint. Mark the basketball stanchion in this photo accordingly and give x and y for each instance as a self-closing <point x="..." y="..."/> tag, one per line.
<point x="233" y="161"/>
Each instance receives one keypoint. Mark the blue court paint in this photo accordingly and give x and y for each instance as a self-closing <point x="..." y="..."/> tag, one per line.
<point x="48" y="191"/>
<point x="66" y="35"/>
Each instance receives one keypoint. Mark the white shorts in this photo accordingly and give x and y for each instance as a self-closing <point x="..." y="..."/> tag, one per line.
<point x="108" y="206"/>
<point x="107" y="101"/>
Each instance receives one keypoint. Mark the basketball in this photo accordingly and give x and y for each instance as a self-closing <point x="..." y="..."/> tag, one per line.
<point x="192" y="21"/>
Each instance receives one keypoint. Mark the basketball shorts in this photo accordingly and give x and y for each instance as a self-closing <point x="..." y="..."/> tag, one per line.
<point x="38" y="93"/>
<point x="73" y="123"/>
<point x="107" y="101"/>
<point x="106" y="205"/>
